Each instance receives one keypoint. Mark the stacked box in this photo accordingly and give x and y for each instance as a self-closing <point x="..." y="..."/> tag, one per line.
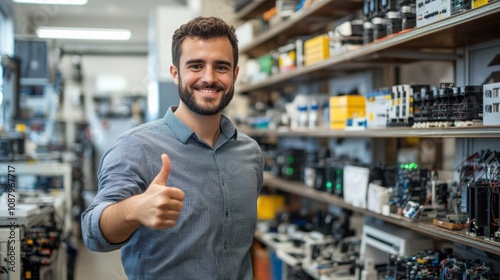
<point x="346" y="107"/>
<point x="316" y="49"/>
<point x="376" y="108"/>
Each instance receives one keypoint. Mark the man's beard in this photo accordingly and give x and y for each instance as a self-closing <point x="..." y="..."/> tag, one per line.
<point x="206" y="109"/>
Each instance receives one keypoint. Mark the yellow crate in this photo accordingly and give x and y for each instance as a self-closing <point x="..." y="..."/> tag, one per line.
<point x="316" y="49"/>
<point x="339" y="116"/>
<point x="269" y="205"/>
<point x="347" y="101"/>
<point x="346" y="113"/>
<point x="479" y="3"/>
<point x="346" y="107"/>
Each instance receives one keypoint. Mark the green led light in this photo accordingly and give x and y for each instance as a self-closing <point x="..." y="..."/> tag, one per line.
<point x="290" y="159"/>
<point x="338" y="186"/>
<point x="412" y="165"/>
<point x="289" y="171"/>
<point x="329" y="185"/>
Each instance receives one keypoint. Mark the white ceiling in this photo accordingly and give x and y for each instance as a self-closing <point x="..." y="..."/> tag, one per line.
<point x="99" y="9"/>
<point x="128" y="14"/>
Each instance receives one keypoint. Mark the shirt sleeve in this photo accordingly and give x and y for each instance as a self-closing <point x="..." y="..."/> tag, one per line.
<point x="91" y="232"/>
<point x="123" y="172"/>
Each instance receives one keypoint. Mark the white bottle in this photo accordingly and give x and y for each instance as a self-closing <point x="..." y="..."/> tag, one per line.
<point x="314" y="115"/>
<point x="369" y="273"/>
<point x="302" y="116"/>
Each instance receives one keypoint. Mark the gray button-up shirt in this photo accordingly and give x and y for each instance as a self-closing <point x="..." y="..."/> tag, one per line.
<point x="214" y="232"/>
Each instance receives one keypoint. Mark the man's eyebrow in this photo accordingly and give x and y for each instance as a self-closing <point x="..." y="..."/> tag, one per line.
<point x="202" y="61"/>
<point x="195" y="61"/>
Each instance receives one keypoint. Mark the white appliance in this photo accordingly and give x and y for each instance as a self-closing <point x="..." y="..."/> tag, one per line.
<point x="380" y="240"/>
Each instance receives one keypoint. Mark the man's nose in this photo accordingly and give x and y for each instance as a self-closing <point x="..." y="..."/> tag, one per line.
<point x="209" y="75"/>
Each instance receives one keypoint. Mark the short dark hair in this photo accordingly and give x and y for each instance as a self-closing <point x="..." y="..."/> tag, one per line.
<point x="205" y="28"/>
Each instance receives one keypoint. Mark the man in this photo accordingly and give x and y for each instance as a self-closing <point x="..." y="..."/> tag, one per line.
<point x="178" y="195"/>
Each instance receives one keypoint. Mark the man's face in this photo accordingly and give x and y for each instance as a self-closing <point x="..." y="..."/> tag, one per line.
<point x="206" y="76"/>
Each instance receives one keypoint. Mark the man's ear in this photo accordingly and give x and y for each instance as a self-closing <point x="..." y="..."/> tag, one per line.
<point x="175" y="74"/>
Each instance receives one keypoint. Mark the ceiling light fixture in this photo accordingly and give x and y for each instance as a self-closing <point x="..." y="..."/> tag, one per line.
<point x="83" y="33"/>
<point x="52" y="2"/>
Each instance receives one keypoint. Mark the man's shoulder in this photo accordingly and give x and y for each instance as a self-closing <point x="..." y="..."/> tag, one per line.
<point x="148" y="127"/>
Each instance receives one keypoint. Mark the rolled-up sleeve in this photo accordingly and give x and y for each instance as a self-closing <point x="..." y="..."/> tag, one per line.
<point x="91" y="232"/>
<point x="123" y="172"/>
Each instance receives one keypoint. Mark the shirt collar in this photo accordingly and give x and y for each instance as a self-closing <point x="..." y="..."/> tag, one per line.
<point x="183" y="132"/>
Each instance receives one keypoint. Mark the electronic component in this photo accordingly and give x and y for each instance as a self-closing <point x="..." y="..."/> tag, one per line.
<point x="408" y="17"/>
<point x="479" y="178"/>
<point x="491" y="104"/>
<point x="289" y="164"/>
<point x="37" y="249"/>
<point x="467" y="105"/>
<point x="411" y="185"/>
<point x="432" y="11"/>
<point x="448" y="106"/>
<point x="458" y="6"/>
<point x="334" y="177"/>
<point x="346" y="36"/>
<point x="400" y="111"/>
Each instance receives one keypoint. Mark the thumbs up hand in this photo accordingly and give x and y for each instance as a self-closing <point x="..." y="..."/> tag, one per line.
<point x="160" y="205"/>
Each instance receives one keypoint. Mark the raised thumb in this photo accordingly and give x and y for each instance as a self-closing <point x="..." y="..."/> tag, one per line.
<point x="161" y="178"/>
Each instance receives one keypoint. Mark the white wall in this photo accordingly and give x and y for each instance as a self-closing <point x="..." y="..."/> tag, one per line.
<point x="130" y="76"/>
<point x="163" y="22"/>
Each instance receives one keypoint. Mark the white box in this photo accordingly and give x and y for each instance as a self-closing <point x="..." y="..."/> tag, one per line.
<point x="378" y="196"/>
<point x="356" y="185"/>
<point x="432" y="11"/>
<point x="377" y="104"/>
<point x="491" y="104"/>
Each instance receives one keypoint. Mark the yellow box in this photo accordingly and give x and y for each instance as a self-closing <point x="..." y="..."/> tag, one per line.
<point x="316" y="49"/>
<point x="479" y="3"/>
<point x="337" y="114"/>
<point x="269" y="205"/>
<point x="347" y="101"/>
<point x="346" y="107"/>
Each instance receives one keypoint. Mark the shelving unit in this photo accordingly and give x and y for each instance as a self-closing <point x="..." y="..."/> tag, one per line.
<point x="441" y="40"/>
<point x="435" y="41"/>
<point x="402" y="132"/>
<point x="424" y="227"/>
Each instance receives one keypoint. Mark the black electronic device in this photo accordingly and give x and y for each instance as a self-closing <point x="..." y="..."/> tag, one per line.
<point x="334" y="177"/>
<point x="11" y="74"/>
<point x="289" y="164"/>
<point x="34" y="59"/>
<point x="458" y="6"/>
<point x="411" y="185"/>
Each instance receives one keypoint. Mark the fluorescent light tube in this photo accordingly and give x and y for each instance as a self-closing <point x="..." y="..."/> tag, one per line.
<point x="53" y="2"/>
<point x="83" y="33"/>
